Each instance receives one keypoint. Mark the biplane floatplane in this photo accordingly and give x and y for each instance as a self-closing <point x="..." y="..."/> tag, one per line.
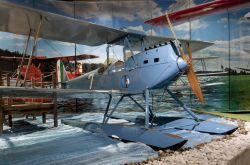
<point x="159" y="63"/>
<point x="243" y="69"/>
<point x="204" y="71"/>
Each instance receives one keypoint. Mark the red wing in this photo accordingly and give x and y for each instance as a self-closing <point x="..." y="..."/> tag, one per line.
<point x="11" y="58"/>
<point x="198" y="10"/>
<point x="44" y="58"/>
<point x="72" y="58"/>
<point x="20" y="57"/>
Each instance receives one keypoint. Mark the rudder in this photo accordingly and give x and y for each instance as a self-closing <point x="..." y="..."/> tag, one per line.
<point x="61" y="72"/>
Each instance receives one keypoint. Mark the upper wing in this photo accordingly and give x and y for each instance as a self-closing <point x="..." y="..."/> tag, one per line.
<point x="135" y="38"/>
<point x="20" y="19"/>
<point x="196" y="11"/>
<point x="195" y="45"/>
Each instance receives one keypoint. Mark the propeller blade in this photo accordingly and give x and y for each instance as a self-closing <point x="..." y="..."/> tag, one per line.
<point x="192" y="78"/>
<point x="194" y="84"/>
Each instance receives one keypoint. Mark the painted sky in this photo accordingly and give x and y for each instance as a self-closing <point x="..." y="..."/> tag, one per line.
<point x="131" y="15"/>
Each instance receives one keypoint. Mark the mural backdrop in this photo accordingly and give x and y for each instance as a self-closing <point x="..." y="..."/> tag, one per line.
<point x="229" y="30"/>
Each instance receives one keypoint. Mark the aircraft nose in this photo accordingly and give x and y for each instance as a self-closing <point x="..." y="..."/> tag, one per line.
<point x="182" y="65"/>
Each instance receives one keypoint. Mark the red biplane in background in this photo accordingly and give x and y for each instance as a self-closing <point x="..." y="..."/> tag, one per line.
<point x="35" y="71"/>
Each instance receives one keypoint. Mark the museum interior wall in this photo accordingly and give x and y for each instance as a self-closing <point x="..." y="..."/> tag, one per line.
<point x="229" y="30"/>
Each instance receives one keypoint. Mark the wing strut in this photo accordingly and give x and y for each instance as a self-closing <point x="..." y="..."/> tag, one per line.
<point x="23" y="57"/>
<point x="107" y="51"/>
<point x="183" y="105"/>
<point x="33" y="49"/>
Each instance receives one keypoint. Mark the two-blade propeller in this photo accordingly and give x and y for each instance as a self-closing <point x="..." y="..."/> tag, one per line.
<point x="192" y="78"/>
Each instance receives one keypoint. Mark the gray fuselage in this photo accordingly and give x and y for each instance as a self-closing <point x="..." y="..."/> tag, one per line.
<point x="153" y="68"/>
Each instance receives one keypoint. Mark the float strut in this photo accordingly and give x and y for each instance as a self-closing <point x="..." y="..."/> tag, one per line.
<point x="150" y="110"/>
<point x="107" y="108"/>
<point x="110" y="114"/>
<point x="182" y="105"/>
<point x="147" y="108"/>
<point x="139" y="105"/>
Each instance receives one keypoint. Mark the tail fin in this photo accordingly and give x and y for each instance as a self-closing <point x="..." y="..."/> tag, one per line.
<point x="61" y="72"/>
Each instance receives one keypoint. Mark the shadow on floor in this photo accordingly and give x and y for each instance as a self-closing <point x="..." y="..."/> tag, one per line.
<point x="23" y="127"/>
